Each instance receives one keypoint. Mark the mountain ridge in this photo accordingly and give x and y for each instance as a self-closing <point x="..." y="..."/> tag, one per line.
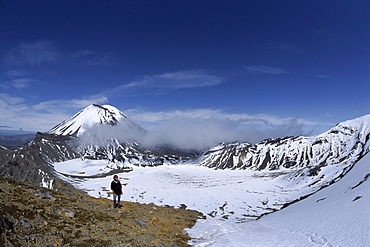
<point x="277" y="152"/>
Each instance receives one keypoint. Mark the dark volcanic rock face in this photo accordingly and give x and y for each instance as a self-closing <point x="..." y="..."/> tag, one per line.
<point x="32" y="162"/>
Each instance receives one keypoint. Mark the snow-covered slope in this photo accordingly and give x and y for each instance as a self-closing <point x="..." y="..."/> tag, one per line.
<point x="337" y="216"/>
<point x="345" y="143"/>
<point x="90" y="116"/>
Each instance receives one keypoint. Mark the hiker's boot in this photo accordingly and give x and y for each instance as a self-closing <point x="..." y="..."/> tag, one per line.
<point x="115" y="205"/>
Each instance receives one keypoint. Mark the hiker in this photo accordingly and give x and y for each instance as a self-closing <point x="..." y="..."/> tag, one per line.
<point x="116" y="188"/>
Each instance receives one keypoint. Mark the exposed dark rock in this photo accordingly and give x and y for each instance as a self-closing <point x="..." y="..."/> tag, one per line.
<point x="357" y="198"/>
<point x="142" y="223"/>
<point x="45" y="195"/>
<point x="25" y="223"/>
<point x="5" y="223"/>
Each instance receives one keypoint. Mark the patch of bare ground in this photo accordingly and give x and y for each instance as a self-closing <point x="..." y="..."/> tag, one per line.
<point x="35" y="216"/>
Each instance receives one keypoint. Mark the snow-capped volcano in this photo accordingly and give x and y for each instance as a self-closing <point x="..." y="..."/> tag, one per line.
<point x="91" y="116"/>
<point x="104" y="132"/>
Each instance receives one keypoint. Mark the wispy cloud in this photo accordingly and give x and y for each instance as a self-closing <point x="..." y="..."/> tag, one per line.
<point x="288" y="47"/>
<point x="17" y="113"/>
<point x="44" y="115"/>
<point x="67" y="105"/>
<point x="23" y="60"/>
<point x="15" y="73"/>
<point x="92" y="58"/>
<point x="7" y="100"/>
<point x="21" y="83"/>
<point x="28" y="55"/>
<point x="177" y="80"/>
<point x="265" y="70"/>
<point x="323" y="76"/>
<point x="164" y="83"/>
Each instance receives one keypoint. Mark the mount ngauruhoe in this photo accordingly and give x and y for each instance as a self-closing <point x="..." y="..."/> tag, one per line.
<point x="105" y="133"/>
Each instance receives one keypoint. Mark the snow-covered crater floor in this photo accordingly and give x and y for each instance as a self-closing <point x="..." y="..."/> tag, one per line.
<point x="238" y="195"/>
<point x="230" y="199"/>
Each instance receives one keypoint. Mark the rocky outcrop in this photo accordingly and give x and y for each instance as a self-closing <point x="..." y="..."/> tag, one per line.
<point x="32" y="163"/>
<point x="35" y="216"/>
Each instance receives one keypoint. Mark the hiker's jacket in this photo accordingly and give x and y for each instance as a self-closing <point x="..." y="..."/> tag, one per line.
<point x="116" y="187"/>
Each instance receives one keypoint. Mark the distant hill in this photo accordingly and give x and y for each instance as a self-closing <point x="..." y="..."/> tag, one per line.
<point x="15" y="141"/>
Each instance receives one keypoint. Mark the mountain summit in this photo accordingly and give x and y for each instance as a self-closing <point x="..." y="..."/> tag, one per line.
<point x="93" y="115"/>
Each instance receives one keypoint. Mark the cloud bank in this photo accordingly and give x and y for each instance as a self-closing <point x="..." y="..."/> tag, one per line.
<point x="191" y="132"/>
<point x="200" y="134"/>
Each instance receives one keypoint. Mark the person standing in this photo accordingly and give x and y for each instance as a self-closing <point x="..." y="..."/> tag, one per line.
<point x="116" y="188"/>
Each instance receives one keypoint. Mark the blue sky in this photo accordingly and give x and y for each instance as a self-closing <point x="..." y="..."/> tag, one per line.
<point x="266" y="67"/>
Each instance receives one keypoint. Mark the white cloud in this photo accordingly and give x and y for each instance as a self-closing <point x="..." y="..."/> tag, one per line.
<point x="193" y="134"/>
<point x="265" y="70"/>
<point x="206" y="113"/>
<point x="203" y="128"/>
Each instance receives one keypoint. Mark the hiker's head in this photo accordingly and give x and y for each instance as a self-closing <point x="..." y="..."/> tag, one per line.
<point x="115" y="177"/>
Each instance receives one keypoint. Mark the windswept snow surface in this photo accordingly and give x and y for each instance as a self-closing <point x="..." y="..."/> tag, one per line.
<point x="231" y="199"/>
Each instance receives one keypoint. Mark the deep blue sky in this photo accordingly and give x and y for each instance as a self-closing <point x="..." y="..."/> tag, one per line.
<point x="293" y="65"/>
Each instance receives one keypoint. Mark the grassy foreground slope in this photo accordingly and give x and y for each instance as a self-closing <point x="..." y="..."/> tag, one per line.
<point x="35" y="216"/>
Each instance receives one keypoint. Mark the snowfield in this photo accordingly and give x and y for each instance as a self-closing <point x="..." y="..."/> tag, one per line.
<point x="231" y="200"/>
<point x="335" y="216"/>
